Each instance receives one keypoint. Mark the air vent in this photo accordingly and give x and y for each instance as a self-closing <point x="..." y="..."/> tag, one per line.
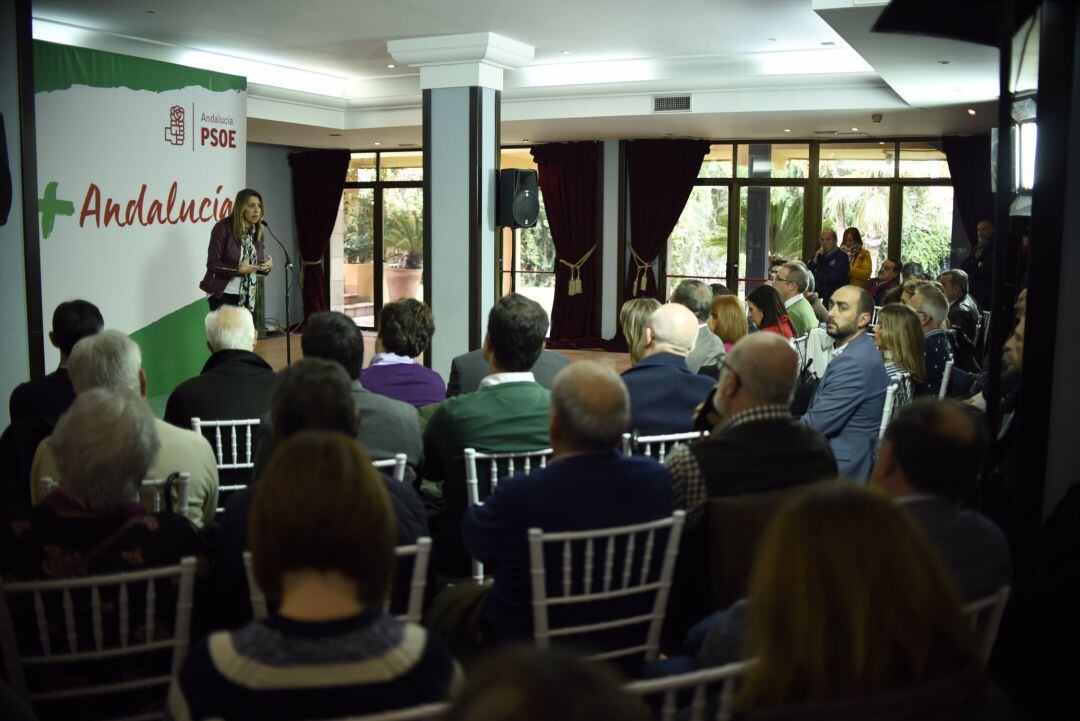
<point x="671" y="103"/>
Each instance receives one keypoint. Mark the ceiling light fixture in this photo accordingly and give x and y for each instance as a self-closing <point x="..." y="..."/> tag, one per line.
<point x="828" y="42"/>
<point x="391" y="66"/>
<point x="566" y="52"/>
<point x="376" y="143"/>
<point x="787" y="130"/>
<point x="971" y="111"/>
<point x="943" y="62"/>
<point x="772" y="40"/>
<point x="854" y="130"/>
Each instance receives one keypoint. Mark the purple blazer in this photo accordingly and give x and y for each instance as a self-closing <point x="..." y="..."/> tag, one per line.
<point x="410" y="383"/>
<point x="223" y="257"/>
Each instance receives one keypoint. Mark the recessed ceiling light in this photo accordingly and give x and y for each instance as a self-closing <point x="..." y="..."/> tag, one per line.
<point x="391" y="66"/>
<point x="524" y="140"/>
<point x="828" y="42"/>
<point x="567" y="52"/>
<point x="971" y="111"/>
<point x="943" y="62"/>
<point x="854" y="130"/>
<point x="787" y="130"/>
<point x="376" y="143"/>
<point x="881" y="142"/>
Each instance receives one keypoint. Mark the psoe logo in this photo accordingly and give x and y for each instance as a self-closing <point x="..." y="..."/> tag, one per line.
<point x="174" y="131"/>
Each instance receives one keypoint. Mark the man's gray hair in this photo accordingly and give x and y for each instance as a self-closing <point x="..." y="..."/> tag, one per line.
<point x="958" y="278"/>
<point x="108" y="360"/>
<point x="696" y="296"/>
<point x="797" y="274"/>
<point x="933" y="303"/>
<point x="809" y="275"/>
<point x="103" y="447"/>
<point x="591" y="403"/>
<point x="230" y="327"/>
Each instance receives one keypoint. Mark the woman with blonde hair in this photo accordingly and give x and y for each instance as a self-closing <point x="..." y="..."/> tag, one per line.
<point x="859" y="262"/>
<point x="236" y="256"/>
<point x="727" y="320"/>
<point x="634" y="317"/>
<point x="852" y="614"/>
<point x="899" y="336"/>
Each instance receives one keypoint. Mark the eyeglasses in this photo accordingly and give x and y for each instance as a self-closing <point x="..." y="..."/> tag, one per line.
<point x="782" y="280"/>
<point x="724" y="364"/>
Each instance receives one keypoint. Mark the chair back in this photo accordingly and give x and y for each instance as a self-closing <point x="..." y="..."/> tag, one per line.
<point x="151" y="489"/>
<point x="985" y="617"/>
<point x="234" y="447"/>
<point x="800" y="345"/>
<point x="708" y="688"/>
<point x="873" y="319"/>
<point x="582" y="570"/>
<point x="92" y="619"/>
<point x="657" y="446"/>
<point x="397" y="463"/>
<point x="424" y="712"/>
<point x="945" y="378"/>
<point x="887" y="410"/>
<point x="419" y="552"/>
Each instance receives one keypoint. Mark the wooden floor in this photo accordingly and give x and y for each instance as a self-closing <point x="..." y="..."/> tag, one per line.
<point x="272" y="350"/>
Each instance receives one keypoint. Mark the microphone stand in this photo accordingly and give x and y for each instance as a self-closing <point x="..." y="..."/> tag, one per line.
<point x="288" y="283"/>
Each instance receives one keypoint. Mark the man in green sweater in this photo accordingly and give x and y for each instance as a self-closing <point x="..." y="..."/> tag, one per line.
<point x="509" y="412"/>
<point x="790" y="281"/>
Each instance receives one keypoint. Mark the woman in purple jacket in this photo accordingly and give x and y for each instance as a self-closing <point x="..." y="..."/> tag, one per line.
<point x="236" y="254"/>
<point x="405" y="330"/>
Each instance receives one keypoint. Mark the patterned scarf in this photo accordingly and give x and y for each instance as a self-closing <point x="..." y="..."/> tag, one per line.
<point x="248" y="255"/>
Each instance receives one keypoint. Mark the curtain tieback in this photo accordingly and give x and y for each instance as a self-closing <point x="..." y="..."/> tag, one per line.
<point x="641" y="275"/>
<point x="304" y="264"/>
<point x="574" y="287"/>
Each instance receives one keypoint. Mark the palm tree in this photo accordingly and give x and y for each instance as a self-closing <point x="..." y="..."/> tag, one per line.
<point x="403" y="235"/>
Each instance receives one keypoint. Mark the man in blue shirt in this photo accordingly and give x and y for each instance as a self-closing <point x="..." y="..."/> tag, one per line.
<point x="830" y="266"/>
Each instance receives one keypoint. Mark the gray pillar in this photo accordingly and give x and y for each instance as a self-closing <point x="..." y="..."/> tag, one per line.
<point x="758" y="211"/>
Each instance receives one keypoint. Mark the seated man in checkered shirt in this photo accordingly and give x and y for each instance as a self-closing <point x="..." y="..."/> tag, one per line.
<point x="756" y="446"/>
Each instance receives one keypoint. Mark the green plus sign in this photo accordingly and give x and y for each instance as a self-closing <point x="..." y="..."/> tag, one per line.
<point x="50" y="207"/>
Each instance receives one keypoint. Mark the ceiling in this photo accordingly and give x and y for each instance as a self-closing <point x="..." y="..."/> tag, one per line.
<point x="753" y="67"/>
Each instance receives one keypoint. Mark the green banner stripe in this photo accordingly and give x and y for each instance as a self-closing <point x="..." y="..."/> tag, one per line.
<point x="173" y="348"/>
<point x="58" y="67"/>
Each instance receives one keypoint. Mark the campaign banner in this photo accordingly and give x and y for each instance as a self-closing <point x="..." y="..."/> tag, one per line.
<point x="136" y="161"/>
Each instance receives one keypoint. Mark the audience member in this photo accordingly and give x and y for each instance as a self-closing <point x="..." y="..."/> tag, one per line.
<point x="405" y="330"/>
<point x="930" y="304"/>
<point x="727" y="320"/>
<point x="766" y="311"/>
<point x="523" y="684"/>
<point x="849" y="400"/>
<point x="852" y="614"/>
<point x="820" y="311"/>
<point x="888" y="278"/>
<point x="387" y="426"/>
<point x="755" y="446"/>
<point x="311" y="395"/>
<point x="912" y="271"/>
<point x="633" y="318"/>
<point x="899" y="337"/>
<point x="112" y="361"/>
<point x="859" y="262"/>
<point x="663" y="391"/>
<point x="698" y="297"/>
<point x="588" y="484"/>
<point x="964" y="318"/>
<point x="791" y="282"/>
<point x="929" y="462"/>
<point x="322" y="542"/>
<point x="1021" y="304"/>
<point x="977" y="265"/>
<point x="234" y="383"/>
<point x="509" y="413"/>
<point x="719" y="289"/>
<point x="830" y="266"/>
<point x="47" y="397"/>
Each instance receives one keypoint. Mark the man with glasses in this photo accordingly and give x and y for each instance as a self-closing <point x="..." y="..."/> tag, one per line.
<point x="847" y="405"/>
<point x="790" y="281"/>
<point x="830" y="266"/>
<point x="931" y="305"/>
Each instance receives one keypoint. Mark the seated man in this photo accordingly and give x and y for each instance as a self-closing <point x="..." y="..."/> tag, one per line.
<point x="932" y="306"/>
<point x="509" y="413"/>
<point x="234" y="383"/>
<point x="312" y="394"/>
<point x="848" y="402"/>
<point x="112" y="361"/>
<point x="588" y="484"/>
<point x="964" y="318"/>
<point x="469" y="369"/>
<point x="47" y="397"/>
<point x="663" y="391"/>
<point x="387" y="426"/>
<point x="791" y="282"/>
<point x="888" y="279"/>
<point x="708" y="348"/>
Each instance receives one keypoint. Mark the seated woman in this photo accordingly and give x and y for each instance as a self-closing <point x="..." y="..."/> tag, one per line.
<point x="899" y="337"/>
<point x="405" y="330"/>
<point x="852" y="614"/>
<point x="633" y="317"/>
<point x="727" y="320"/>
<point x="324" y="549"/>
<point x="767" y="311"/>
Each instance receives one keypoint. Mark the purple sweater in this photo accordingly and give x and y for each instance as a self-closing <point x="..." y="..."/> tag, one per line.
<point x="410" y="383"/>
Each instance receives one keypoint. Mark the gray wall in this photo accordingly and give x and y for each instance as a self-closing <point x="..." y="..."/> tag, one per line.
<point x="268" y="172"/>
<point x="14" y="361"/>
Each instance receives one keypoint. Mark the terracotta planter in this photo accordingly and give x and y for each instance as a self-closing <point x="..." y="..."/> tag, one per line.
<point x="403" y="283"/>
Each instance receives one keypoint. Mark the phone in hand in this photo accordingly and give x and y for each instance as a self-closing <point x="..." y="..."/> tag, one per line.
<point x="701" y="419"/>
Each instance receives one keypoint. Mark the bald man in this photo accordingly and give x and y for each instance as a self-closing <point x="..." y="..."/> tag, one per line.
<point x="663" y="390"/>
<point x="756" y="445"/>
<point x="588" y="484"/>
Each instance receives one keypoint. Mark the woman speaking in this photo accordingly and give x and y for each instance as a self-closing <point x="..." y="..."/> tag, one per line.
<point x="236" y="254"/>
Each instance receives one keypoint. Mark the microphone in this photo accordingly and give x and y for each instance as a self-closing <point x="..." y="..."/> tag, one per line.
<point x="288" y="260"/>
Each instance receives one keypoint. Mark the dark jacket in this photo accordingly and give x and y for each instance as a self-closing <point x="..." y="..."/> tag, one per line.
<point x="831" y="271"/>
<point x="233" y="384"/>
<point x="663" y="394"/>
<point x="978" y="270"/>
<point x="965" y="318"/>
<point x="44" y="398"/>
<point x="223" y="257"/>
<point x="467" y="370"/>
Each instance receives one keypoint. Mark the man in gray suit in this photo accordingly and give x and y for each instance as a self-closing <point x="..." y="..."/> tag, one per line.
<point x="929" y="463"/>
<point x="708" y="348"/>
<point x="467" y="370"/>
<point x="387" y="426"/>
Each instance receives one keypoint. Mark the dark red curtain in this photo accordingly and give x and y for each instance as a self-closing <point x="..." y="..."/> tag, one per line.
<point x="569" y="177"/>
<point x="969" y="167"/>
<point x="661" y="176"/>
<point x="318" y="180"/>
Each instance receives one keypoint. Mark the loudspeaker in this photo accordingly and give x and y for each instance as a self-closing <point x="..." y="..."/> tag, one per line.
<point x="518" y="199"/>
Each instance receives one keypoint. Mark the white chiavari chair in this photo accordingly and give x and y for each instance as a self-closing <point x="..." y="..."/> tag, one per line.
<point x="657" y="446"/>
<point x="234" y="446"/>
<point x="945" y="378"/>
<point x="985" y="617"/>
<point x="710" y="686"/>
<point x="397" y="463"/>
<point x="150" y="489"/>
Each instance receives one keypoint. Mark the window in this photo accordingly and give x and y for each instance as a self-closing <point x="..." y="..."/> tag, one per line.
<point x="770" y="223"/>
<point x="923" y="160"/>
<point x="782" y="160"/>
<point x="928" y="223"/>
<point x="528" y="256"/>
<point x="857" y="160"/>
<point x="698" y="246"/>
<point x="865" y="207"/>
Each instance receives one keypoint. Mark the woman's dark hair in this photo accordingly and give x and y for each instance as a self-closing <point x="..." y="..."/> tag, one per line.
<point x="854" y="234"/>
<point x="768" y="302"/>
<point x="406" y="327"/>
